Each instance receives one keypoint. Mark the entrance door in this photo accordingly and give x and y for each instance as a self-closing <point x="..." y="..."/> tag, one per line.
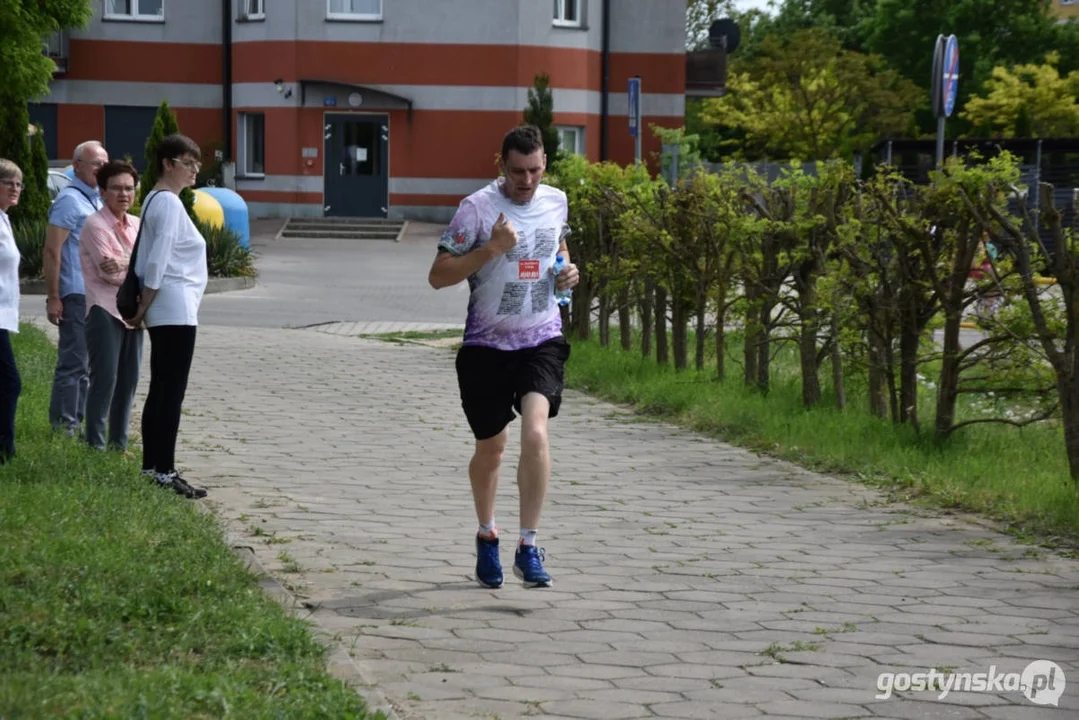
<point x="357" y="169"/>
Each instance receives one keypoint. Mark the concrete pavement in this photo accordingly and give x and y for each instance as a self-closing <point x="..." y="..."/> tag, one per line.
<point x="692" y="579"/>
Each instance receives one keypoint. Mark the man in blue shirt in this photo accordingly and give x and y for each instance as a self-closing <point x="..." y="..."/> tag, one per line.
<point x="66" y="303"/>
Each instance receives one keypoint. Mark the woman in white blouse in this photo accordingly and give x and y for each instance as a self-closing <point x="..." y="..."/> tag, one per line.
<point x="10" y="383"/>
<point x="171" y="265"/>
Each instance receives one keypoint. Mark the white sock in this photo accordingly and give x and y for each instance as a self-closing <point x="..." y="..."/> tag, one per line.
<point x="488" y="530"/>
<point x="528" y="537"/>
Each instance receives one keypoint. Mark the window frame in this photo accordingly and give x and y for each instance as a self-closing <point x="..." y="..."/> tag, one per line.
<point x="354" y="17"/>
<point x="560" y="20"/>
<point x="579" y="144"/>
<point x="245" y="11"/>
<point x="135" y="16"/>
<point x="245" y="160"/>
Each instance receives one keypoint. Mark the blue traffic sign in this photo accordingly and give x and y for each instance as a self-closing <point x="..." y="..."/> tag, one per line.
<point x="634" y="105"/>
<point x="950" y="74"/>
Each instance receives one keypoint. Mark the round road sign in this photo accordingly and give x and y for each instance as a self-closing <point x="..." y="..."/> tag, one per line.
<point x="950" y="74"/>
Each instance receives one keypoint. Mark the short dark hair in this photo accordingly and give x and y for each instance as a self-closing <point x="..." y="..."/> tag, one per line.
<point x="525" y="139"/>
<point x="113" y="168"/>
<point x="172" y="147"/>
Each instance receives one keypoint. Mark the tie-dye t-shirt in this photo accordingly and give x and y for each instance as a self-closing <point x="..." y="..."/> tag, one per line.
<point x="511" y="305"/>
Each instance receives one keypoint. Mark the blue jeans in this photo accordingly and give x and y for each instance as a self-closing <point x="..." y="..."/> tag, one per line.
<point x="115" y="354"/>
<point x="72" y="379"/>
<point x="10" y="387"/>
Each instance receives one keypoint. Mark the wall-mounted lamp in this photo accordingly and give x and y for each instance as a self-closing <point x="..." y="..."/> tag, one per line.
<point x="279" y="84"/>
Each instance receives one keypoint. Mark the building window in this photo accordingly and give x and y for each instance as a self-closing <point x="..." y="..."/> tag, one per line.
<point x="354" y="10"/>
<point x="571" y="140"/>
<point x="253" y="144"/>
<point x="153" y="10"/>
<point x="252" y="10"/>
<point x="567" y="13"/>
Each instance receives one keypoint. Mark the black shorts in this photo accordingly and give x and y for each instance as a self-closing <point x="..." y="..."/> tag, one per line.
<point x="492" y="382"/>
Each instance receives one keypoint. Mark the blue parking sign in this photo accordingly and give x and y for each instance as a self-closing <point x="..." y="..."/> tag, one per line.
<point x="634" y="105"/>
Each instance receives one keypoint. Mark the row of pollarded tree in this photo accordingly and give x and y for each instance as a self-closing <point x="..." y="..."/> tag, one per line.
<point x="859" y="275"/>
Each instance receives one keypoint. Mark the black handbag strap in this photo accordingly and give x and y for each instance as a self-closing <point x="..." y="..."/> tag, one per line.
<point x="138" y="235"/>
<point x="83" y="193"/>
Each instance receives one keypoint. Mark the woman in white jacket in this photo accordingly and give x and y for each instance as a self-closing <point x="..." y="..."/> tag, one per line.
<point x="10" y="383"/>
<point x="171" y="265"/>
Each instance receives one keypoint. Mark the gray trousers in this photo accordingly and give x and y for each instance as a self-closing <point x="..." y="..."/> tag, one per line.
<point x="72" y="378"/>
<point x="115" y="355"/>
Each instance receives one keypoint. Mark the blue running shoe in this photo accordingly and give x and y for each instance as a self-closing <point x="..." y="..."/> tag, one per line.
<point x="528" y="566"/>
<point x="488" y="566"/>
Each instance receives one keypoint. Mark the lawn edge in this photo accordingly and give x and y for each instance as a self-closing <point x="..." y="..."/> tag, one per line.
<point x="339" y="663"/>
<point x="925" y="504"/>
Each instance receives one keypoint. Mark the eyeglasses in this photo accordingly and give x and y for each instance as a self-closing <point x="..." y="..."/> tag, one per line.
<point x="189" y="164"/>
<point x="13" y="184"/>
<point x="93" y="163"/>
<point x="121" y="188"/>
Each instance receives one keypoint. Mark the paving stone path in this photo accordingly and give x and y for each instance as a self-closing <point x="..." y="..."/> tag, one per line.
<point x="692" y="579"/>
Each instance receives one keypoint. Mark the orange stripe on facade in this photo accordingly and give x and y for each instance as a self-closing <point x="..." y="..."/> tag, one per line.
<point x="660" y="73"/>
<point x="124" y="61"/>
<point x="203" y="125"/>
<point x="436" y="143"/>
<point x="452" y="65"/>
<point x="76" y="124"/>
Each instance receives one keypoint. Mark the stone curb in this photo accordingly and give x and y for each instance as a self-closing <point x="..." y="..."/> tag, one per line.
<point x="339" y="663"/>
<point x="215" y="285"/>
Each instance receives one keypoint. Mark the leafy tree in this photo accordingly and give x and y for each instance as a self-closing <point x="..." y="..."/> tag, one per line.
<point x="14" y="143"/>
<point x="699" y="17"/>
<point x="27" y="72"/>
<point x="1031" y="100"/>
<point x="991" y="33"/>
<point x="689" y="155"/>
<point x="805" y="97"/>
<point x="35" y="200"/>
<point x="540" y="112"/>
<point x="165" y="124"/>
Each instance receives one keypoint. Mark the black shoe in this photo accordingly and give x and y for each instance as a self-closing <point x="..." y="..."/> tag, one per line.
<point x="180" y="486"/>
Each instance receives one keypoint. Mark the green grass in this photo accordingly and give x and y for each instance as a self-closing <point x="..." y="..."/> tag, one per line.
<point x="1018" y="476"/>
<point x="120" y="600"/>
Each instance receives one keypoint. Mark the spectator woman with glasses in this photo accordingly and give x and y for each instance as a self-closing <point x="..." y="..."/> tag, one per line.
<point x="10" y="383"/>
<point x="171" y="265"/>
<point x="114" y="347"/>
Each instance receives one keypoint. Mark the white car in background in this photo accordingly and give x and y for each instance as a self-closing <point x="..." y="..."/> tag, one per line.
<point x="57" y="182"/>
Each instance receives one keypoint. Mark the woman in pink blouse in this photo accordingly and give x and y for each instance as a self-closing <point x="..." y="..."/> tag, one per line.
<point x="115" y="348"/>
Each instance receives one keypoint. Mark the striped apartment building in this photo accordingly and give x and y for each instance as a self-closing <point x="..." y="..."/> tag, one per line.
<point x="364" y="107"/>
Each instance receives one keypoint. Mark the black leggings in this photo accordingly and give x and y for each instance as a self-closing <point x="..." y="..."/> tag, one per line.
<point x="171" y="350"/>
<point x="10" y="387"/>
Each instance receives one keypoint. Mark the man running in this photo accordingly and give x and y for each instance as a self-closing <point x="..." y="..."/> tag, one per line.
<point x="504" y="239"/>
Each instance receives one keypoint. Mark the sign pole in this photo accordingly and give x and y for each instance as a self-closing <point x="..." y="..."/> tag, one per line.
<point x="634" y="93"/>
<point x="940" y="141"/>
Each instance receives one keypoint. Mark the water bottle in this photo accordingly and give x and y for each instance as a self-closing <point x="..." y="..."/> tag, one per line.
<point x="561" y="296"/>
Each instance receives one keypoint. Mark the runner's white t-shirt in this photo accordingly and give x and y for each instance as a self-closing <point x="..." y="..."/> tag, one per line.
<point x="511" y="305"/>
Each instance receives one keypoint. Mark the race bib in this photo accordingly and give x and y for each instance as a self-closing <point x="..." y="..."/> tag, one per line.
<point x="528" y="269"/>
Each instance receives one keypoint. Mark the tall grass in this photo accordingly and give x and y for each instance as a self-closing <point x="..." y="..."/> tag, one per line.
<point x="121" y="600"/>
<point x="1018" y="476"/>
